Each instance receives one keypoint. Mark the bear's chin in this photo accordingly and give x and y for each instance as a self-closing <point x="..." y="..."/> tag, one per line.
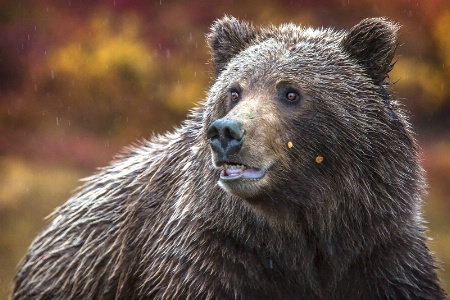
<point x="247" y="189"/>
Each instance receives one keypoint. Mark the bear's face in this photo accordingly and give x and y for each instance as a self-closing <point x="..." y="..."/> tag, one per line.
<point x="263" y="91"/>
<point x="284" y="96"/>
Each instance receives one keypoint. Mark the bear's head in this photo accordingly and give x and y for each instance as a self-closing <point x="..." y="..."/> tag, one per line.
<point x="304" y="116"/>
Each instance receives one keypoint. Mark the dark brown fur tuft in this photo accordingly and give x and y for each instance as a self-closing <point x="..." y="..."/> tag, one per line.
<point x="372" y="43"/>
<point x="228" y="36"/>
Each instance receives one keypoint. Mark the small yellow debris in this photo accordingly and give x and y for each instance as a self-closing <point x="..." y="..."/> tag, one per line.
<point x="290" y="145"/>
<point x="319" y="159"/>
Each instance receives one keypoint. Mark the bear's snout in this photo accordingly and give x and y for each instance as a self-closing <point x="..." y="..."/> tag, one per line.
<point x="226" y="137"/>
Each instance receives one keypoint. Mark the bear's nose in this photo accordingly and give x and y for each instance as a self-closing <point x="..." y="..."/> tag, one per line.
<point x="226" y="137"/>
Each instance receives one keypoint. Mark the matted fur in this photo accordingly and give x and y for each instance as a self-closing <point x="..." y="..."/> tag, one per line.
<point x="155" y="225"/>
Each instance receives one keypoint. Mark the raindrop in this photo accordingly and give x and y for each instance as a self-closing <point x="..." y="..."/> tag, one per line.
<point x="35" y="87"/>
<point x="52" y="74"/>
<point x="57" y="121"/>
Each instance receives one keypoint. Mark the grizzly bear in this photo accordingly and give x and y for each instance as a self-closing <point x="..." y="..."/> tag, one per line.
<point x="297" y="178"/>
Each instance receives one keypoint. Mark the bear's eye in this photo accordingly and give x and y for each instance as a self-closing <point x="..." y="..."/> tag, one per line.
<point x="288" y="93"/>
<point x="292" y="96"/>
<point x="234" y="96"/>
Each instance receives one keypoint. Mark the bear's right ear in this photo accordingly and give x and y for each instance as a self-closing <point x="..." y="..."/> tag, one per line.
<point x="227" y="37"/>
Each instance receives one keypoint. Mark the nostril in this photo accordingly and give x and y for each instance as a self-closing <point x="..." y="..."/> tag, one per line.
<point x="228" y="134"/>
<point x="213" y="132"/>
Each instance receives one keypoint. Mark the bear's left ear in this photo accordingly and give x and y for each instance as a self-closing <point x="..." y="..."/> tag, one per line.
<point x="228" y="36"/>
<point x="372" y="44"/>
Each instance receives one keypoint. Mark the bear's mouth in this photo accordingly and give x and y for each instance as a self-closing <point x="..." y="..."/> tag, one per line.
<point x="231" y="171"/>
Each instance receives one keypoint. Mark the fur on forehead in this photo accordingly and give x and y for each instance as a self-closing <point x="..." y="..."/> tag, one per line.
<point x="370" y="44"/>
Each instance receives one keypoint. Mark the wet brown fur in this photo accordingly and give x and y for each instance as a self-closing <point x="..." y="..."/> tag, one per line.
<point x="155" y="225"/>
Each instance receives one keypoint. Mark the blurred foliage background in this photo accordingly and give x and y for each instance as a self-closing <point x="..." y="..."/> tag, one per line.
<point x="79" y="80"/>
